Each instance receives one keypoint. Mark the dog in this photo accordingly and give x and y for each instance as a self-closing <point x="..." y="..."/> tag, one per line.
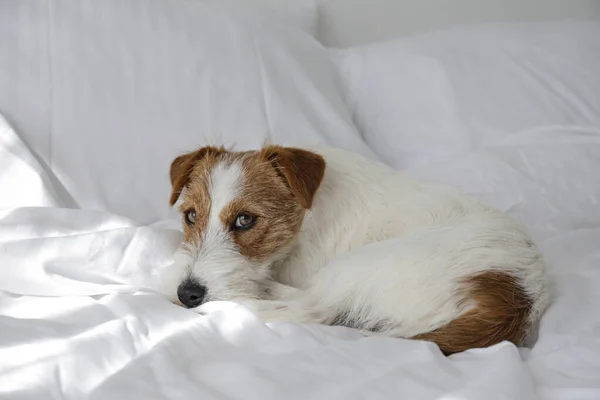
<point x="329" y="237"/>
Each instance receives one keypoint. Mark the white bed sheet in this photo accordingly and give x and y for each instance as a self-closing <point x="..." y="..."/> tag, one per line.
<point x="79" y="318"/>
<point x="79" y="313"/>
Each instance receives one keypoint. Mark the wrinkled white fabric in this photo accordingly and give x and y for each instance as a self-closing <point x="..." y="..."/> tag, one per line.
<point x="26" y="184"/>
<point x="79" y="316"/>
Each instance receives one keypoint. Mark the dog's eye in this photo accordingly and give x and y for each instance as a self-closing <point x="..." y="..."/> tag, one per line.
<point x="190" y="217"/>
<point x="243" y="221"/>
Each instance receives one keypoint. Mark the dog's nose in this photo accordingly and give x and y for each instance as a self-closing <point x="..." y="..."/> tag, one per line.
<point x="191" y="293"/>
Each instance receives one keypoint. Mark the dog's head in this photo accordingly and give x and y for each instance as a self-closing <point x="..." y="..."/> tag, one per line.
<point x="241" y="212"/>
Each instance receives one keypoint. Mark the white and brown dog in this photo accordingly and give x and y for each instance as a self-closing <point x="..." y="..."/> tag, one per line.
<point x="329" y="237"/>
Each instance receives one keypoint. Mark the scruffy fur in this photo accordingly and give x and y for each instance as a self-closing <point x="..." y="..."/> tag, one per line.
<point x="338" y="239"/>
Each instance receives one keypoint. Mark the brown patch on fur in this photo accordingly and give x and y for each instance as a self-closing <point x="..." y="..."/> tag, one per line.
<point x="501" y="313"/>
<point x="192" y="171"/>
<point x="301" y="170"/>
<point x="279" y="185"/>
<point x="265" y="196"/>
<point x="183" y="166"/>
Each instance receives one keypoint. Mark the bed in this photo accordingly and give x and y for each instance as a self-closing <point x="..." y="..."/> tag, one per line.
<point x="97" y="98"/>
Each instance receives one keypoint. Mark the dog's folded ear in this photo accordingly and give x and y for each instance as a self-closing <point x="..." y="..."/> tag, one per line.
<point x="182" y="167"/>
<point x="301" y="170"/>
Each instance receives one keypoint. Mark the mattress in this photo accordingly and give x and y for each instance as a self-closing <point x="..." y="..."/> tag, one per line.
<point x="98" y="97"/>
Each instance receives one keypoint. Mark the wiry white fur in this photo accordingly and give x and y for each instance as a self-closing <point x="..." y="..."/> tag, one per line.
<point x="377" y="249"/>
<point x="216" y="262"/>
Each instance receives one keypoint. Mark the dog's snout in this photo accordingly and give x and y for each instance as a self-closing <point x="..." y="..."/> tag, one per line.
<point x="191" y="293"/>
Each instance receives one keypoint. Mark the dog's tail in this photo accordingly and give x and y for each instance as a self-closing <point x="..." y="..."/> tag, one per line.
<point x="501" y="312"/>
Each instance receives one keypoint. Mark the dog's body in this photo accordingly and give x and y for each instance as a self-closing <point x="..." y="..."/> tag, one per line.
<point x="367" y="248"/>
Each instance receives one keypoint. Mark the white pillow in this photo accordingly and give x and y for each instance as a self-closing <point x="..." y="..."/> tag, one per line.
<point x="509" y="113"/>
<point x="125" y="86"/>
<point x="431" y="97"/>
